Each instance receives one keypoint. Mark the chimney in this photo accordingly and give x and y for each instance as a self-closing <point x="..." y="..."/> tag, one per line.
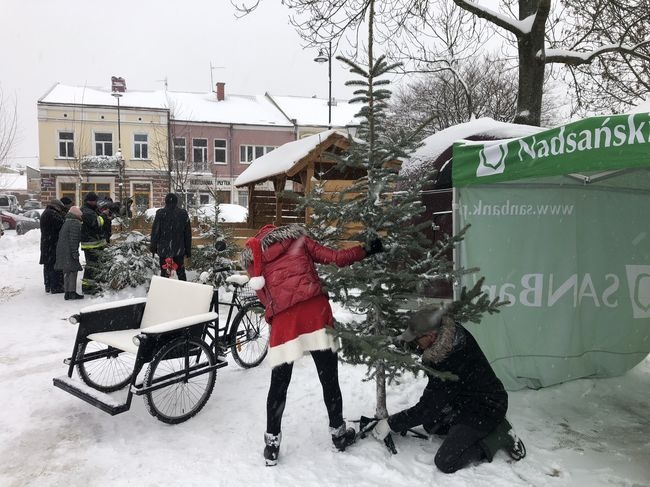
<point x="118" y="84"/>
<point x="221" y="91"/>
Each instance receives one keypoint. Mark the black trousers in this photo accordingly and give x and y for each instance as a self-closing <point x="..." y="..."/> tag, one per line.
<point x="327" y="366"/>
<point x="52" y="279"/>
<point x="461" y="447"/>
<point x="180" y="272"/>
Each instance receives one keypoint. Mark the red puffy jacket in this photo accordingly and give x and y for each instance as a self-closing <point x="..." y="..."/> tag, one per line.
<point x="288" y="257"/>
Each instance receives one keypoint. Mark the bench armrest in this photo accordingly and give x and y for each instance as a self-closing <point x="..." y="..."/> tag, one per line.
<point x="180" y="323"/>
<point x="117" y="315"/>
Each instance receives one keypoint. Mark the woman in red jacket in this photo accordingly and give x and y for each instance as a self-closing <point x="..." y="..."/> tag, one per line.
<point x="281" y="259"/>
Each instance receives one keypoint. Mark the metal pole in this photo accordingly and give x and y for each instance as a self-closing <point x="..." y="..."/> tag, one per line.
<point x="119" y="148"/>
<point x="329" y="100"/>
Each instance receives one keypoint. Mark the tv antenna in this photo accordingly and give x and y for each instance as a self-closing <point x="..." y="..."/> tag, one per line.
<point x="164" y="81"/>
<point x="212" y="68"/>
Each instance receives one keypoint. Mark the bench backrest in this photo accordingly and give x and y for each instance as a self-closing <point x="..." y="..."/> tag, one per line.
<point x="170" y="299"/>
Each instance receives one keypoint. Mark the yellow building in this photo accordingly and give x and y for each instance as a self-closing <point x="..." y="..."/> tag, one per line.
<point x="114" y="143"/>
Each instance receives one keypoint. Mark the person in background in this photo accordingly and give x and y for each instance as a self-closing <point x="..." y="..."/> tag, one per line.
<point x="465" y="401"/>
<point x="171" y="237"/>
<point x="67" y="252"/>
<point x="67" y="203"/>
<point x="105" y="209"/>
<point x="281" y="261"/>
<point x="93" y="241"/>
<point x="51" y="222"/>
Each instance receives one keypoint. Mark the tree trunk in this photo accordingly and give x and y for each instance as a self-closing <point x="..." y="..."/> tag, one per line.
<point x="531" y="63"/>
<point x="381" y="411"/>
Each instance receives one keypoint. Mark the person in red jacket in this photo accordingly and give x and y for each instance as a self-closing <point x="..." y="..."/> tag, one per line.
<point x="281" y="261"/>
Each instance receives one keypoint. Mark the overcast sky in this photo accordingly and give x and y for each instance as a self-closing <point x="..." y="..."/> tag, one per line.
<point x="85" y="42"/>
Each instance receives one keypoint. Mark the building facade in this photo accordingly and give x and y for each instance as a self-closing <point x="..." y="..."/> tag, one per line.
<point x="140" y="145"/>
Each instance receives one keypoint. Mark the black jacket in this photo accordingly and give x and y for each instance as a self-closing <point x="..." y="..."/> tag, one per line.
<point x="50" y="223"/>
<point x="92" y="233"/>
<point x="171" y="234"/>
<point x="477" y="398"/>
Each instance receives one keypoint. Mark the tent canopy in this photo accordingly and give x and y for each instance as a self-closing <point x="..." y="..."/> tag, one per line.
<point x="559" y="229"/>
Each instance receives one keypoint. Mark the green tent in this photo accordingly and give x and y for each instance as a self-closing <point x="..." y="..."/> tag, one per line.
<point x="560" y="228"/>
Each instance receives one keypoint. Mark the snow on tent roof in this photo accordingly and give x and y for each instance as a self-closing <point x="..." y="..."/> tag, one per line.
<point x="314" y="111"/>
<point x="195" y="107"/>
<point x="282" y="159"/>
<point x="436" y="144"/>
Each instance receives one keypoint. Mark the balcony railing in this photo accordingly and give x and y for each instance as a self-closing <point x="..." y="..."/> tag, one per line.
<point x="200" y="167"/>
<point x="101" y="163"/>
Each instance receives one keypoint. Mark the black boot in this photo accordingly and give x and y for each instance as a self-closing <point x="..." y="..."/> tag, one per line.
<point x="503" y="437"/>
<point x="67" y="296"/>
<point x="272" y="448"/>
<point x="343" y="437"/>
<point x="74" y="295"/>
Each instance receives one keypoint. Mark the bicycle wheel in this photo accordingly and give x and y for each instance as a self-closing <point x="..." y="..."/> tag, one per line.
<point x="250" y="336"/>
<point x="179" y="401"/>
<point x="106" y="374"/>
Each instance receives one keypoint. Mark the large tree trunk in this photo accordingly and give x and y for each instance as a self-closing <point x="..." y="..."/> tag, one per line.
<point x="531" y="62"/>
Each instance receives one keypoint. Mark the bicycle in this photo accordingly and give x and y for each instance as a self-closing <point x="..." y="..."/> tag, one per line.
<point x="247" y="335"/>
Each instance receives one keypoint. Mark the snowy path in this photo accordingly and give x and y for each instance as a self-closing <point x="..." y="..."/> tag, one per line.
<point x="584" y="433"/>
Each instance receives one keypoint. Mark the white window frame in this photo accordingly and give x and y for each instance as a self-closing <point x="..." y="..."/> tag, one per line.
<point x="204" y="151"/>
<point x="252" y="152"/>
<point x="184" y="147"/>
<point x="103" y="143"/>
<point x="139" y="145"/>
<point x="223" y="150"/>
<point x="69" y="145"/>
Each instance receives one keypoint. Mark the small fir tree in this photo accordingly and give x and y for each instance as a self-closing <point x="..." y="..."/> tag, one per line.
<point x="206" y="259"/>
<point x="381" y="289"/>
<point x="127" y="262"/>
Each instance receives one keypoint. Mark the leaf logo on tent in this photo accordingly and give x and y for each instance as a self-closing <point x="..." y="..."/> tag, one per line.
<point x="492" y="160"/>
<point x="638" y="279"/>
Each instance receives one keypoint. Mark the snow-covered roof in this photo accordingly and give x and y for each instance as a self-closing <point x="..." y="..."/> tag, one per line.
<point x="436" y="144"/>
<point x="193" y="107"/>
<point x="314" y="111"/>
<point x="284" y="158"/>
<point x="11" y="181"/>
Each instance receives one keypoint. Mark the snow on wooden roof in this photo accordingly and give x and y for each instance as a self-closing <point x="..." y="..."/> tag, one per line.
<point x="191" y="107"/>
<point x="285" y="159"/>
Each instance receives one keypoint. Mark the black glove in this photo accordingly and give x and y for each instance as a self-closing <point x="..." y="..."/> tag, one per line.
<point x="375" y="246"/>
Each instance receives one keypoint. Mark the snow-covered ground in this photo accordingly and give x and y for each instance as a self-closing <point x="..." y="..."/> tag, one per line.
<point x="583" y="433"/>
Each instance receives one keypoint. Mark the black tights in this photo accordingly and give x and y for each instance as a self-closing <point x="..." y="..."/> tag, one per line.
<point x="327" y="366"/>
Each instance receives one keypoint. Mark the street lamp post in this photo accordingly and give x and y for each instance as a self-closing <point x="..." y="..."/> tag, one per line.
<point x="118" y="154"/>
<point x="326" y="56"/>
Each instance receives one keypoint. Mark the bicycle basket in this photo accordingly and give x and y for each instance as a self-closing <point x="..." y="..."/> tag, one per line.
<point x="246" y="293"/>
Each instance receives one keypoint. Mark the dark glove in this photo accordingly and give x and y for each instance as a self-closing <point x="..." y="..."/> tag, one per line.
<point x="374" y="247"/>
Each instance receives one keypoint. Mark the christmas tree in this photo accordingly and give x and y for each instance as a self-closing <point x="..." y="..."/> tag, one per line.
<point x="206" y="259"/>
<point x="127" y="262"/>
<point x="384" y="288"/>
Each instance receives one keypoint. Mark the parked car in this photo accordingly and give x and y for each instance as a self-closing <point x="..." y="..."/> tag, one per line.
<point x="9" y="203"/>
<point x="31" y="205"/>
<point x="24" y="226"/>
<point x="10" y="220"/>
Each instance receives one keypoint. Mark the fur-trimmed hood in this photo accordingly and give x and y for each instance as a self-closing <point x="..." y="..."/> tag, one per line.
<point x="450" y="337"/>
<point x="269" y="235"/>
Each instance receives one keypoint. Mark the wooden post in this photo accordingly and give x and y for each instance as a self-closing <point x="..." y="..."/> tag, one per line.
<point x="249" y="220"/>
<point x="307" y="187"/>
<point x="278" y="186"/>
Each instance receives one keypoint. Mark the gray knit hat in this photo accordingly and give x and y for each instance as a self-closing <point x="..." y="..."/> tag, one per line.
<point x="422" y="322"/>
